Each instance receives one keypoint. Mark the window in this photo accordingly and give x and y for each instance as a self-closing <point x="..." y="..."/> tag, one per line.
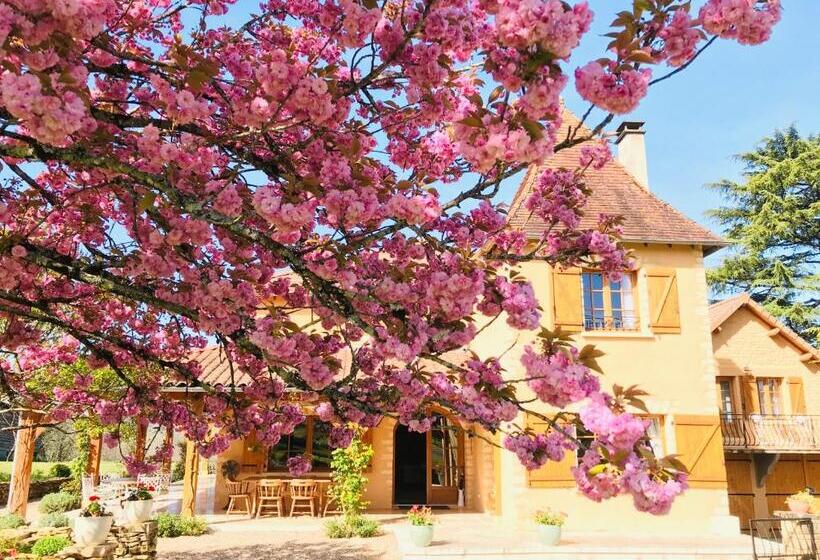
<point x="310" y="438"/>
<point x="768" y="395"/>
<point x="609" y="304"/>
<point x="726" y="404"/>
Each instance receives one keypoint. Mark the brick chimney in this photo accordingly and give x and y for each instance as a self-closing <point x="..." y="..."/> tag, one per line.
<point x="632" y="150"/>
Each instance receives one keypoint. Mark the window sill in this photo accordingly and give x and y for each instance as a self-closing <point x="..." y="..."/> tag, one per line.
<point x="618" y="334"/>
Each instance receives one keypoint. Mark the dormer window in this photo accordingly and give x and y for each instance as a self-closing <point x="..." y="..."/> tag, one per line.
<point x="609" y="305"/>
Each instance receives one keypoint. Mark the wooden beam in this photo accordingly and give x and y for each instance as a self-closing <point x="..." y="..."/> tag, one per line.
<point x="23" y="458"/>
<point x="92" y="465"/>
<point x="191" y="478"/>
<point x="169" y="440"/>
<point x="774" y="332"/>
<point x="139" y="443"/>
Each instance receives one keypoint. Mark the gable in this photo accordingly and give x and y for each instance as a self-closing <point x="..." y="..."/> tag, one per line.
<point x="743" y="340"/>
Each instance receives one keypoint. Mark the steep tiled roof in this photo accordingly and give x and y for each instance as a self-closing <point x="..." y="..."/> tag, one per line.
<point x="216" y="369"/>
<point x="614" y="191"/>
<point x="720" y="311"/>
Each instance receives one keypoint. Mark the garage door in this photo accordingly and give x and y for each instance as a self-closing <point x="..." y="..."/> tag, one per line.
<point x="791" y="474"/>
<point x="741" y="492"/>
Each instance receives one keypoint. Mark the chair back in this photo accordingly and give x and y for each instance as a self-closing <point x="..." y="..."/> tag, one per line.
<point x="303" y="488"/>
<point x="238" y="487"/>
<point x="164" y="481"/>
<point x="272" y="488"/>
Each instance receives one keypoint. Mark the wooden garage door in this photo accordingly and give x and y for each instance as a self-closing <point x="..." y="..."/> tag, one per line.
<point x="741" y="491"/>
<point x="791" y="474"/>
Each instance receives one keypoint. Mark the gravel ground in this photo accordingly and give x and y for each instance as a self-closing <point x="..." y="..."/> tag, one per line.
<point x="237" y="545"/>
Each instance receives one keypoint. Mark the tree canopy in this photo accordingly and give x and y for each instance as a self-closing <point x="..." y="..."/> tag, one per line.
<point x="185" y="172"/>
<point x="773" y="218"/>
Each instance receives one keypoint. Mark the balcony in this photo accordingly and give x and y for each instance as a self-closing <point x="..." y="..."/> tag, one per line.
<point x="771" y="432"/>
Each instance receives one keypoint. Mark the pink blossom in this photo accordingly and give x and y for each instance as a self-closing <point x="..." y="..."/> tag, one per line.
<point x="614" y="92"/>
<point x="747" y="21"/>
<point x="299" y="465"/>
<point x="680" y="38"/>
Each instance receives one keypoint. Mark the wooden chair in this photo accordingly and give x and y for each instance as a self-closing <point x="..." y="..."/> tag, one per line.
<point x="240" y="492"/>
<point x="331" y="505"/>
<point x="303" y="497"/>
<point x="271" y="496"/>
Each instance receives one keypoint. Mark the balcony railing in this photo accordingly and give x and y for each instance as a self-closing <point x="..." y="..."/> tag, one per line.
<point x="771" y="432"/>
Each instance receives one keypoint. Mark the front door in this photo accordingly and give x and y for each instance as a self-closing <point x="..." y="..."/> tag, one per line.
<point x="429" y="468"/>
<point x="410" y="468"/>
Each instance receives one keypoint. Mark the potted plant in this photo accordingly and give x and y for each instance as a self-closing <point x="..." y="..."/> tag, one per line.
<point x="137" y="505"/>
<point x="93" y="524"/>
<point x="549" y="526"/>
<point x="421" y="525"/>
<point x="802" y="502"/>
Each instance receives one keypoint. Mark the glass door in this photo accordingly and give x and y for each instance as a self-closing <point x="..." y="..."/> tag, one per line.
<point x="445" y="461"/>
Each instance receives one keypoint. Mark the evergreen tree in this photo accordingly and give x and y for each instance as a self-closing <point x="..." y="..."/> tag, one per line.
<point x="773" y="217"/>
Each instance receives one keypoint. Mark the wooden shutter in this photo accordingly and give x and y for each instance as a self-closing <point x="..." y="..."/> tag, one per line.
<point x="254" y="455"/>
<point x="664" y="312"/>
<point x="568" y="305"/>
<point x="551" y="475"/>
<point x="748" y="387"/>
<point x="798" y="398"/>
<point x="700" y="446"/>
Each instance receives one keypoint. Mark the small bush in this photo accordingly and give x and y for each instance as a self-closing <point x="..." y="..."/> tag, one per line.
<point x="5" y="477"/>
<point x="59" y="502"/>
<point x="53" y="520"/>
<point x="11" y="521"/>
<point x="177" y="472"/>
<point x="8" y="544"/>
<point x="346" y="527"/>
<point x="171" y="525"/>
<point x="72" y="486"/>
<point x="38" y="476"/>
<point x="49" y="546"/>
<point x="59" y="470"/>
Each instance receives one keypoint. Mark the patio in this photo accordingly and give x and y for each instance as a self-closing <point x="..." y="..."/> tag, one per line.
<point x="458" y="536"/>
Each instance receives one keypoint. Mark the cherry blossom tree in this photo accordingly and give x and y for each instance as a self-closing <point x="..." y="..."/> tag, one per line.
<point x="179" y="172"/>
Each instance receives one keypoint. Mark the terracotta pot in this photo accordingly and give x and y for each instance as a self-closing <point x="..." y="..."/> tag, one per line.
<point x="421" y="535"/>
<point x="549" y="535"/>
<point x="798" y="507"/>
<point x="90" y="531"/>
<point x="137" y="511"/>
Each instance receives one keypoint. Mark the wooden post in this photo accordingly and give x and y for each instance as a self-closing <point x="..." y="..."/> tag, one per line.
<point x="189" y="482"/>
<point x="139" y="443"/>
<point x="92" y="466"/>
<point x="169" y="440"/>
<point x="23" y="458"/>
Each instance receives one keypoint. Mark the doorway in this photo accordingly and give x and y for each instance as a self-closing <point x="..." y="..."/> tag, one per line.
<point x="410" y="476"/>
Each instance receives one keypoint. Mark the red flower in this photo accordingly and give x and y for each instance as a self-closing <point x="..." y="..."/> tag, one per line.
<point x="150" y="488"/>
<point x="93" y="498"/>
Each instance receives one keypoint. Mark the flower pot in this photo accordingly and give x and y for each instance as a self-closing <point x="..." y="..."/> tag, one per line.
<point x="89" y="531"/>
<point x="421" y="535"/>
<point x="136" y="511"/>
<point x="798" y="507"/>
<point x="549" y="535"/>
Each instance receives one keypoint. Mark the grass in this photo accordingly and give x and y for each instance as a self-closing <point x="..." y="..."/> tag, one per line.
<point x="105" y="466"/>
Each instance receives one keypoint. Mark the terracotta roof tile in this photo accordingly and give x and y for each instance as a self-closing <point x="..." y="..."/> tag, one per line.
<point x="614" y="191"/>
<point x="216" y="368"/>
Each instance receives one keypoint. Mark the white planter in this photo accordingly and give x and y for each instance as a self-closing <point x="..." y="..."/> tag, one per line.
<point x="549" y="535"/>
<point x="89" y="531"/>
<point x="135" y="512"/>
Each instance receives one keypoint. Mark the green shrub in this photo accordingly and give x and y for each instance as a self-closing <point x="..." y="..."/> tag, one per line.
<point x="38" y="476"/>
<point x="49" y="546"/>
<point x="172" y="525"/>
<point x="59" y="502"/>
<point x="8" y="544"/>
<point x="59" y="470"/>
<point x="349" y="465"/>
<point x="5" y="477"/>
<point x="53" y="520"/>
<point x="177" y="472"/>
<point x="11" y="521"/>
<point x="72" y="486"/>
<point x="346" y="527"/>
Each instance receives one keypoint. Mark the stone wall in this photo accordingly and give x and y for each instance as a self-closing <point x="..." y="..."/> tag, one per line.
<point x="37" y="489"/>
<point x="126" y="543"/>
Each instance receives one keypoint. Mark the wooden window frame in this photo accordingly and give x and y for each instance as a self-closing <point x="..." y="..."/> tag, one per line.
<point x="309" y="425"/>
<point x="735" y="409"/>
<point x="661" y="433"/>
<point x="774" y="398"/>
<point x="606" y="294"/>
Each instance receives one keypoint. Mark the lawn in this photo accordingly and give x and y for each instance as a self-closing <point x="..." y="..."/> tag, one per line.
<point x="105" y="466"/>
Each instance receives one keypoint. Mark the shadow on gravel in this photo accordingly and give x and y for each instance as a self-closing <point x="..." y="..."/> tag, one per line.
<point x="289" y="550"/>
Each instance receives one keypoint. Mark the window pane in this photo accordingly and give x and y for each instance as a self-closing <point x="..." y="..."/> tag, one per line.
<point x="655" y="437"/>
<point x="320" y="454"/>
<point x="597" y="280"/>
<point x="444" y="449"/>
<point x="288" y="446"/>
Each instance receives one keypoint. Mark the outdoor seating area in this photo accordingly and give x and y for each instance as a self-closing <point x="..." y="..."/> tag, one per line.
<point x="280" y="497"/>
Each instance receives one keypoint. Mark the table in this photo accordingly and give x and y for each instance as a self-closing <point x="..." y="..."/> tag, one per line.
<point x="322" y="480"/>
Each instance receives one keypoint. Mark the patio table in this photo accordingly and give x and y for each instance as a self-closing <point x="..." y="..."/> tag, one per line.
<point x="322" y="480"/>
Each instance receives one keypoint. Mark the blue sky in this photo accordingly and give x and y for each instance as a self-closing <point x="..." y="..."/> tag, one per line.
<point x="723" y="104"/>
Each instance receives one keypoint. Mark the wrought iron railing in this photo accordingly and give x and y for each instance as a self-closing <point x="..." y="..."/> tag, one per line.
<point x="621" y="322"/>
<point x="772" y="432"/>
